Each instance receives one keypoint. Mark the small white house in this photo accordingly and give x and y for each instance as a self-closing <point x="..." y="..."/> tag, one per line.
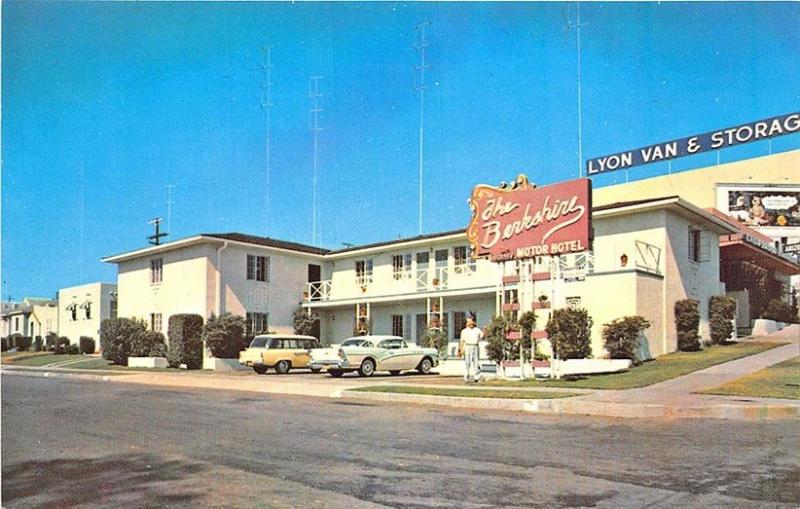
<point x="81" y="309"/>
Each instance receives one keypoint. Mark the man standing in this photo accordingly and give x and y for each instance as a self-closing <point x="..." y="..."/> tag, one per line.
<point x="470" y="336"/>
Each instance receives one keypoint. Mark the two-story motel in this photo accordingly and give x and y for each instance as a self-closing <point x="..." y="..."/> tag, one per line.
<point x="646" y="255"/>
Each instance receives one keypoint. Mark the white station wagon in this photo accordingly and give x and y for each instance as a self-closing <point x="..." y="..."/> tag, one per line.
<point x="368" y="354"/>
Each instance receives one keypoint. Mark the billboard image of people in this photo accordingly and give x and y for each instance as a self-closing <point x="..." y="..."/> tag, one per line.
<point x="762" y="207"/>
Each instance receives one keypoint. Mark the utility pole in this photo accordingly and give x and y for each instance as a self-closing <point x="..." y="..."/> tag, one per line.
<point x="314" y="94"/>
<point x="267" y="104"/>
<point x="155" y="239"/>
<point x="420" y="45"/>
<point x="578" y="25"/>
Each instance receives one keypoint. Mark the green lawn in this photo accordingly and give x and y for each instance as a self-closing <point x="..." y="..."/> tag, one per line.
<point x="778" y="381"/>
<point x="663" y="368"/>
<point x="41" y="359"/>
<point x="466" y="392"/>
<point x="12" y="357"/>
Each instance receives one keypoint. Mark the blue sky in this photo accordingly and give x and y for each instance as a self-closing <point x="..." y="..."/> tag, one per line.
<point x="104" y="104"/>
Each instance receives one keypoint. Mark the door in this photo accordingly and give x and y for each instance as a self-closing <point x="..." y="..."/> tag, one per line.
<point x="422" y="327"/>
<point x="440" y="276"/>
<point x="423" y="262"/>
<point x="314" y="276"/>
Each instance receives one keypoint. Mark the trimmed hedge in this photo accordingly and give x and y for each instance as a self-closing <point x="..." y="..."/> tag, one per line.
<point x="780" y="311"/>
<point x="620" y="336"/>
<point x="38" y="344"/>
<point x="86" y="344"/>
<point x="185" y="341"/>
<point x="144" y="342"/>
<point x="570" y="332"/>
<point x="721" y="313"/>
<point x="687" y="323"/>
<point x="24" y="343"/>
<point x="224" y="335"/>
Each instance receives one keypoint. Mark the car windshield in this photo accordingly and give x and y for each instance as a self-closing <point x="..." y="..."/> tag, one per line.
<point x="259" y="342"/>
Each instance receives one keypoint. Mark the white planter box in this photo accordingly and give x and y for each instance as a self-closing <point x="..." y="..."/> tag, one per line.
<point x="147" y="362"/>
<point x="223" y="364"/>
<point x="586" y="367"/>
<point x="456" y="367"/>
<point x="762" y="327"/>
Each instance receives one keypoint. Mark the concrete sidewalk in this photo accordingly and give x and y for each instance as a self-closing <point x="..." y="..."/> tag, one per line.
<point x="669" y="399"/>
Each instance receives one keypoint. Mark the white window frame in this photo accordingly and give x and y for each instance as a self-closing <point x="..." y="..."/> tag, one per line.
<point x="397" y="321"/>
<point x="695" y="239"/>
<point x="466" y="264"/>
<point x="156" y="271"/>
<point x="253" y="318"/>
<point x="363" y="272"/>
<point x="156" y="322"/>
<point x="257" y="268"/>
<point x="401" y="266"/>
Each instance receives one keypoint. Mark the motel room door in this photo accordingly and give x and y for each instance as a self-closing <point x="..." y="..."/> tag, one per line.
<point x="314" y="276"/>
<point x="422" y="327"/>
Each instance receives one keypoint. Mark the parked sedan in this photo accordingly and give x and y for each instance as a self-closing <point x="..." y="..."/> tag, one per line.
<point x="368" y="354"/>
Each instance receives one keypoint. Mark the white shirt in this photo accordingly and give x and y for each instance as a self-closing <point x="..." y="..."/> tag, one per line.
<point x="471" y="336"/>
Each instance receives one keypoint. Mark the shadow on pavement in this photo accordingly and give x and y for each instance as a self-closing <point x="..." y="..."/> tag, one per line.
<point x="119" y="480"/>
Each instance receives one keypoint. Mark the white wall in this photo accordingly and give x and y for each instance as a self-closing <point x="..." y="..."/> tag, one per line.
<point x="99" y="295"/>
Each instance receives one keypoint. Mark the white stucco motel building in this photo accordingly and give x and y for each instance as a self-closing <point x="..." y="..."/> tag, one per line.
<point x="647" y="254"/>
<point x="81" y="310"/>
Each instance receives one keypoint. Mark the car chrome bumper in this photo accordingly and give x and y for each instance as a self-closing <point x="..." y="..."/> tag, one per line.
<point x="329" y="364"/>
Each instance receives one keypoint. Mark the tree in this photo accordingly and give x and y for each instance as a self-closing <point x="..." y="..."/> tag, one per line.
<point x="224" y="335"/>
<point x="569" y="332"/>
<point x="498" y="347"/>
<point x="437" y="338"/>
<point x="305" y="322"/>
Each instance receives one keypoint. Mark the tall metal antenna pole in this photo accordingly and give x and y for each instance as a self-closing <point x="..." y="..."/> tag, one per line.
<point x="80" y="272"/>
<point x="169" y="206"/>
<point x="266" y="103"/>
<point x="314" y="94"/>
<point x="420" y="45"/>
<point x="578" y="25"/>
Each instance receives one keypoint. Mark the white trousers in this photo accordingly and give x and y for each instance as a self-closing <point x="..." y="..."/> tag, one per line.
<point x="471" y="362"/>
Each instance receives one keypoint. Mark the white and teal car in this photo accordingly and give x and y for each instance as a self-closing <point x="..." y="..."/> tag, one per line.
<point x="368" y="354"/>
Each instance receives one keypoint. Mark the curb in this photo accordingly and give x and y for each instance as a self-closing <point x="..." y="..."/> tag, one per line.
<point x="54" y="374"/>
<point x="571" y="406"/>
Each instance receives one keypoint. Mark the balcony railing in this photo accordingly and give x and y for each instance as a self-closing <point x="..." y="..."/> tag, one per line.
<point x="317" y="290"/>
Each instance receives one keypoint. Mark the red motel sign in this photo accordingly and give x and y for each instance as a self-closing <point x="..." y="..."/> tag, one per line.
<point x="523" y="221"/>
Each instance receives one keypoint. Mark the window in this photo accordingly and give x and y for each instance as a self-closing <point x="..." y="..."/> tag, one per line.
<point x="113" y="308"/>
<point x="694" y="244"/>
<point x="401" y="266"/>
<point x="462" y="259"/>
<point x="156" y="269"/>
<point x="88" y="309"/>
<point x="459" y="322"/>
<point x="73" y="310"/>
<point x="258" y="268"/>
<point x="363" y="272"/>
<point x="16" y="323"/>
<point x="256" y="323"/>
<point x="155" y="322"/>
<point x="397" y="325"/>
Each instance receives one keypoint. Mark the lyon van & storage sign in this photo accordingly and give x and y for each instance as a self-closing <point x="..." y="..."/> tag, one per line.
<point x="522" y="220"/>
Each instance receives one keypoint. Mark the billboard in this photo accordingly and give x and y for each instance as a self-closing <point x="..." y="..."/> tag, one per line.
<point x="697" y="144"/>
<point x="522" y="221"/>
<point x="772" y="209"/>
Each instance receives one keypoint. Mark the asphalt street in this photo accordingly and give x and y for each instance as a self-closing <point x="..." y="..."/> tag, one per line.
<point x="69" y="443"/>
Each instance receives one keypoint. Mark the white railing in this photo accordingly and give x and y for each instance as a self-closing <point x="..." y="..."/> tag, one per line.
<point x="648" y="257"/>
<point x="439" y="278"/>
<point x="576" y="266"/>
<point x="364" y="280"/>
<point x="318" y="290"/>
<point x="422" y="280"/>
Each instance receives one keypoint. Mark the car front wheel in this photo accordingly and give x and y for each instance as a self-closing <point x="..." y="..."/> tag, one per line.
<point x="282" y="367"/>
<point x="316" y="370"/>
<point x="335" y="373"/>
<point x="425" y="366"/>
<point x="367" y="368"/>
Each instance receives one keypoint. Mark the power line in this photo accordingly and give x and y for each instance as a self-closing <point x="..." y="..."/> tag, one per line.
<point x="420" y="45"/>
<point x="314" y="94"/>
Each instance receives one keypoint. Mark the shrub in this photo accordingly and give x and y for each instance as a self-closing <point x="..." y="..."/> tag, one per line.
<point x="4" y="344"/>
<point x="158" y="349"/>
<point x="117" y="336"/>
<point x="143" y="342"/>
<point x="436" y="338"/>
<point x="498" y="348"/>
<point x="38" y="344"/>
<point x="569" y="332"/>
<point x="780" y="311"/>
<point x="620" y="336"/>
<point x="86" y="344"/>
<point x="185" y="341"/>
<point x="23" y="343"/>
<point x="72" y="349"/>
<point x="224" y="335"/>
<point x="50" y="341"/>
<point x="304" y="323"/>
<point x="62" y="343"/>
<point x="687" y="323"/>
<point x="722" y="312"/>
